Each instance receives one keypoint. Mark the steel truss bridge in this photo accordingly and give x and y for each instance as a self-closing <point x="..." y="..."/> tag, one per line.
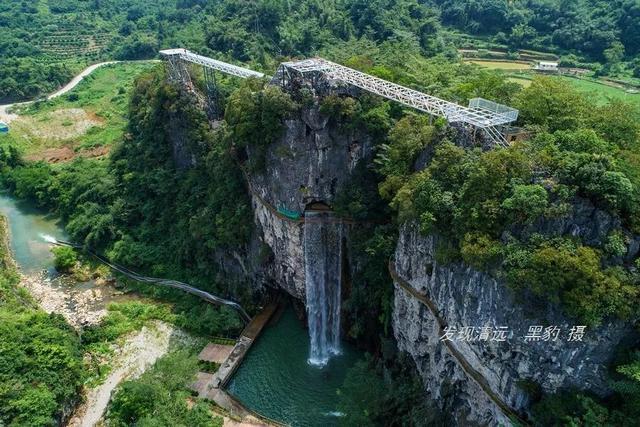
<point x="480" y="114"/>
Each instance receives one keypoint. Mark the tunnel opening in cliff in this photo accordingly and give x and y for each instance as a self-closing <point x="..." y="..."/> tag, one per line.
<point x="317" y="206"/>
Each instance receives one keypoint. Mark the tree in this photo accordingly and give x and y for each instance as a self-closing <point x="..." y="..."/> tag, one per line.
<point x="629" y="22"/>
<point x="552" y="104"/>
<point x="613" y="55"/>
<point x="527" y="203"/>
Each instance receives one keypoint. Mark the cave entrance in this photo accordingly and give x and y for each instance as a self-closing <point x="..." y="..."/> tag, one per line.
<point x="317" y="206"/>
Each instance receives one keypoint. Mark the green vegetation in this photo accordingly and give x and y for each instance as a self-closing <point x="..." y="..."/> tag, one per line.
<point x="159" y="396"/>
<point x="45" y="44"/>
<point x="255" y="117"/>
<point x="171" y="198"/>
<point x="599" y="30"/>
<point x="474" y="198"/>
<point x="124" y="318"/>
<point x="570" y="407"/>
<point x="65" y="258"/>
<point x="40" y="355"/>
<point x="141" y="179"/>
<point x="603" y="92"/>
<point x="369" y="396"/>
<point x="566" y="272"/>
<point x="598" y="90"/>
<point x="93" y="114"/>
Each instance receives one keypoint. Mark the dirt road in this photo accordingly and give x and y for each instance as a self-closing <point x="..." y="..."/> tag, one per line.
<point x="6" y="117"/>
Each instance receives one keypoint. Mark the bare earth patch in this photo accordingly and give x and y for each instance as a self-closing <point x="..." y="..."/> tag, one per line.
<point x="59" y="125"/>
<point x="66" y="153"/>
<point x="5" y="115"/>
<point x="78" y="308"/>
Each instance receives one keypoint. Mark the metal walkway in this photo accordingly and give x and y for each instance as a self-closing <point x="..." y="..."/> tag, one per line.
<point x="480" y="114"/>
<point x="157" y="281"/>
<point x="187" y="56"/>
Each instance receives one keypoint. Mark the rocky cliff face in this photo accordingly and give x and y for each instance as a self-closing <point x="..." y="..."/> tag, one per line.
<point x="310" y="163"/>
<point x="465" y="297"/>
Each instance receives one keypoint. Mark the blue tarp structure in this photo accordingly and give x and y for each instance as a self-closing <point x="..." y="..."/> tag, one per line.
<point x="4" y="128"/>
<point x="289" y="213"/>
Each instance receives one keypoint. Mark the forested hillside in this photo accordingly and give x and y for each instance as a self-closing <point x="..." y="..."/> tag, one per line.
<point x="582" y="26"/>
<point x="494" y="210"/>
<point x="46" y="42"/>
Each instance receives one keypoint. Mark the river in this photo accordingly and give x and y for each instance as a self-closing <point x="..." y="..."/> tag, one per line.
<point x="276" y="380"/>
<point x="80" y="302"/>
<point x="27" y="225"/>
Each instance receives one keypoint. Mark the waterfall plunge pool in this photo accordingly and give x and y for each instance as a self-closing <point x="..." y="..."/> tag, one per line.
<point x="276" y="380"/>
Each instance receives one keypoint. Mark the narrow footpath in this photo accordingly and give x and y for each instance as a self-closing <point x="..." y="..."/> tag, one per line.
<point x="462" y="361"/>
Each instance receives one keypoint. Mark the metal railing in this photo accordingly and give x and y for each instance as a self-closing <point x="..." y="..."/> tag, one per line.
<point x="482" y="114"/>
<point x="224" y="67"/>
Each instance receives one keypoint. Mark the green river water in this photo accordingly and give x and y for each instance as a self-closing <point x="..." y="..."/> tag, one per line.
<point x="27" y="225"/>
<point x="27" y="228"/>
<point x="276" y="380"/>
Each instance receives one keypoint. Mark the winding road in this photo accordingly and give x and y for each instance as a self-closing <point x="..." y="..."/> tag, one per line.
<point x="6" y="116"/>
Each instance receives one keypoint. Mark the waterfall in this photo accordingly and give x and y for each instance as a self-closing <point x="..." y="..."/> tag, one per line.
<point x="323" y="277"/>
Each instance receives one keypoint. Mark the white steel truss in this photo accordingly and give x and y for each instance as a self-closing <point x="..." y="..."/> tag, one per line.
<point x="480" y="113"/>
<point x="477" y="114"/>
<point x="224" y="67"/>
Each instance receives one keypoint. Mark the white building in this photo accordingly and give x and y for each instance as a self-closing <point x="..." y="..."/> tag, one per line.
<point x="546" y="66"/>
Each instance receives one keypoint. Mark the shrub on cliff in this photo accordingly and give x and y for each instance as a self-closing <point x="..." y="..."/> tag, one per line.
<point x="482" y="201"/>
<point x="255" y="117"/>
<point x="564" y="272"/>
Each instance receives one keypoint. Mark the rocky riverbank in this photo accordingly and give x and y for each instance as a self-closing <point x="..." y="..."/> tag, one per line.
<point x="81" y="304"/>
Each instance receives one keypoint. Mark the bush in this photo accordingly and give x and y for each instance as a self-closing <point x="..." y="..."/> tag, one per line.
<point x="571" y="275"/>
<point x="159" y="396"/>
<point x="65" y="258"/>
<point x="40" y="366"/>
<point x="527" y="202"/>
<point x="615" y="245"/>
<point x="480" y="251"/>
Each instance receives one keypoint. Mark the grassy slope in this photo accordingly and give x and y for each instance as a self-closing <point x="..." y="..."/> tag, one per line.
<point x="602" y="92"/>
<point x="103" y="97"/>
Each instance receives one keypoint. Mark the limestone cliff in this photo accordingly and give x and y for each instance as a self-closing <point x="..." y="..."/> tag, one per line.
<point x="312" y="160"/>
<point x="464" y="297"/>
